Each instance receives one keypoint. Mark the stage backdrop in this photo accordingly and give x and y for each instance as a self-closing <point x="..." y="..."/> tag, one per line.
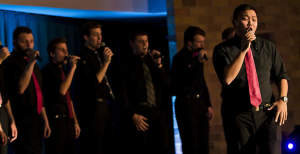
<point x="44" y="29"/>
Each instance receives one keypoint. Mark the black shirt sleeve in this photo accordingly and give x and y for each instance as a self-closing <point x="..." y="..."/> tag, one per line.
<point x="2" y="86"/>
<point x="220" y="61"/>
<point x="278" y="71"/>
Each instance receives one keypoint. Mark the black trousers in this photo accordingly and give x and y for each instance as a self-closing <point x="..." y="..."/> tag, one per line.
<point x="192" y="120"/>
<point x="258" y="128"/>
<point x="154" y="140"/>
<point x="62" y="138"/>
<point x="96" y="131"/>
<point x="4" y="124"/>
<point x="230" y="131"/>
<point x="30" y="134"/>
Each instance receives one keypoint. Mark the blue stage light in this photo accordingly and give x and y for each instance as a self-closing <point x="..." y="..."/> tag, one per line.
<point x="78" y="13"/>
<point x="290" y="146"/>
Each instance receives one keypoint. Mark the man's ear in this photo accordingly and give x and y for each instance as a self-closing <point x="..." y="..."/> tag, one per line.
<point x="85" y="37"/>
<point x="14" y="43"/>
<point x="233" y="23"/>
<point x="131" y="44"/>
<point x="51" y="54"/>
<point x="190" y="43"/>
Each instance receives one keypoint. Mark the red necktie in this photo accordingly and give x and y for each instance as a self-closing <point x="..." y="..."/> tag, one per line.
<point x="67" y="96"/>
<point x="254" y="90"/>
<point x="39" y="95"/>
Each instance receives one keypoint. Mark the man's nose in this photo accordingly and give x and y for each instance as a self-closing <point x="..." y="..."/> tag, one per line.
<point x="202" y="45"/>
<point x="250" y="22"/>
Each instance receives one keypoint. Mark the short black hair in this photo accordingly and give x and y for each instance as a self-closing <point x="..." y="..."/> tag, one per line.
<point x="86" y="28"/>
<point x="190" y="32"/>
<point x="135" y="33"/>
<point x="19" y="30"/>
<point x="52" y="45"/>
<point x="227" y="32"/>
<point x="242" y="7"/>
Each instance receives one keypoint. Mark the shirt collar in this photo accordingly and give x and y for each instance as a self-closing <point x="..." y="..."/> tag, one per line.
<point x="88" y="49"/>
<point x="18" y="54"/>
<point x="237" y="41"/>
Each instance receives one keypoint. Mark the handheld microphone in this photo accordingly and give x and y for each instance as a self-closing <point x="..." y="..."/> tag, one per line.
<point x="78" y="60"/>
<point x="157" y="55"/>
<point x="253" y="43"/>
<point x="204" y="56"/>
<point x="37" y="56"/>
<point x="103" y="45"/>
<point x="1" y="46"/>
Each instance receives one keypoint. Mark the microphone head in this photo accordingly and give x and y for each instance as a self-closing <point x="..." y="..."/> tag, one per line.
<point x="37" y="56"/>
<point x="102" y="44"/>
<point x="205" y="57"/>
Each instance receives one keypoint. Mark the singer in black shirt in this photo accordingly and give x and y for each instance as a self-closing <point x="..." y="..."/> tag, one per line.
<point x="192" y="107"/>
<point x="61" y="113"/>
<point x="7" y="122"/>
<point x="95" y="93"/>
<point x="19" y="69"/>
<point x="242" y="121"/>
<point x="146" y="130"/>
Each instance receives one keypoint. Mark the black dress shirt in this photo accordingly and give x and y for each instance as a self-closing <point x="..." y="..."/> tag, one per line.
<point x="268" y="65"/>
<point x="86" y="78"/>
<point x="14" y="67"/>
<point x="56" y="103"/>
<point x="134" y="83"/>
<point x="2" y="87"/>
<point x="188" y="76"/>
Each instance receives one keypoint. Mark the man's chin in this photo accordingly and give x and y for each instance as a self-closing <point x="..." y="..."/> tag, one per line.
<point x="61" y="63"/>
<point x="141" y="54"/>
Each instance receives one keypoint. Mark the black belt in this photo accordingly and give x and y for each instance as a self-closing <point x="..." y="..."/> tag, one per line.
<point x="60" y="116"/>
<point x="146" y="104"/>
<point x="194" y="95"/>
<point x="261" y="107"/>
<point x="100" y="100"/>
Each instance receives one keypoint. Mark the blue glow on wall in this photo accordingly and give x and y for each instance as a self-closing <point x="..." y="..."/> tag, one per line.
<point x="77" y="13"/>
<point x="157" y="6"/>
<point x="177" y="139"/>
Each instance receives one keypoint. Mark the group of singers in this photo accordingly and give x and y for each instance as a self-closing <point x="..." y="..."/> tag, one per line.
<point x="244" y="65"/>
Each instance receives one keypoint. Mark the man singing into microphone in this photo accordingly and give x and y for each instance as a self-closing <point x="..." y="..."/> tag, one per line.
<point x="193" y="108"/>
<point x="144" y="83"/>
<point x="56" y="82"/>
<point x="24" y="83"/>
<point x="244" y="66"/>
<point x="7" y="121"/>
<point x="95" y="92"/>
